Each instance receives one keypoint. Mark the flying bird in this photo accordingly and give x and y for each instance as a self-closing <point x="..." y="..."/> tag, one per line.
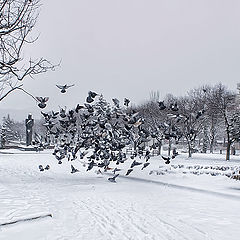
<point x="129" y="171"/>
<point x="126" y="102"/>
<point x="145" y="165"/>
<point x="54" y="114"/>
<point x="91" y="96"/>
<point x="90" y="165"/>
<point x="161" y="105"/>
<point x="42" y="101"/>
<point x="135" y="163"/>
<point x="64" y="87"/>
<point x="116" y="102"/>
<point x="74" y="170"/>
<point x="78" y="107"/>
<point x="167" y="159"/>
<point x="116" y="170"/>
<point x="113" y="179"/>
<point x="174" y="107"/>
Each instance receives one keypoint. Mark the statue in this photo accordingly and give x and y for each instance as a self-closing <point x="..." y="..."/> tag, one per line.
<point x="29" y="122"/>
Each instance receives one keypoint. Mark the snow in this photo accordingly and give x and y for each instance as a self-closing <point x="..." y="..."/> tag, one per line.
<point x="84" y="205"/>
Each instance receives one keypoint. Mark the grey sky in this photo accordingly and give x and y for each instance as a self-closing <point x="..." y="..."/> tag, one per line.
<point x="126" y="48"/>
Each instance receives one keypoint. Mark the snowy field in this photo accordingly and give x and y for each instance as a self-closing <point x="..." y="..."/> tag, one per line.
<point x="190" y="199"/>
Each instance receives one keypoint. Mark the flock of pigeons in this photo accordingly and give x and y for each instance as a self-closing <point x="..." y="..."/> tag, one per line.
<point x="100" y="132"/>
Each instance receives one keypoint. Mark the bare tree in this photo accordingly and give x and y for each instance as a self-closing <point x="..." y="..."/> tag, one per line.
<point x="17" y="21"/>
<point x="193" y="120"/>
<point x="225" y="102"/>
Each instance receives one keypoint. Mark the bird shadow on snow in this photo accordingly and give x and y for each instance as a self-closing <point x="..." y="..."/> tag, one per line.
<point x="235" y="188"/>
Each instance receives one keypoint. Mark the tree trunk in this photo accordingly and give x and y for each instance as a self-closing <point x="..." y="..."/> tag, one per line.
<point x="211" y="144"/>
<point x="159" y="147"/>
<point x="229" y="143"/>
<point x="228" y="151"/>
<point x="211" y="147"/>
<point x="189" y="150"/>
<point x="205" y="140"/>
<point x="169" y="147"/>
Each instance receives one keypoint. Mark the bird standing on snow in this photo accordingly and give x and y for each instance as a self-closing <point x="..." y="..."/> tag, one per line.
<point x="47" y="167"/>
<point x="64" y="87"/>
<point x="41" y="168"/>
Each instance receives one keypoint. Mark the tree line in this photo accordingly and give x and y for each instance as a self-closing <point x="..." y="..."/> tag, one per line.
<point x="207" y="114"/>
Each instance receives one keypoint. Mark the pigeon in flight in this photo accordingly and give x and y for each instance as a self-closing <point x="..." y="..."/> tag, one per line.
<point x="126" y="102"/>
<point x="42" y="101"/>
<point x="174" y="107"/>
<point x="78" y="107"/>
<point x="116" y="102"/>
<point x="64" y="87"/>
<point x="91" y="96"/>
<point x="113" y="179"/>
<point x="116" y="170"/>
<point x="74" y="170"/>
<point x="135" y="163"/>
<point x="161" y="105"/>
<point x="129" y="171"/>
<point x="145" y="165"/>
<point x="200" y="113"/>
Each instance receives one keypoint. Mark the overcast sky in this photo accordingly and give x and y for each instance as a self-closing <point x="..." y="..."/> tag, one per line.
<point x="127" y="48"/>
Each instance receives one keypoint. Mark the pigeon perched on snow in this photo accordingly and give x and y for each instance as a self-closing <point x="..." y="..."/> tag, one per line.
<point x="42" y="101"/>
<point x="41" y="168"/>
<point x="47" y="167"/>
<point x="64" y="87"/>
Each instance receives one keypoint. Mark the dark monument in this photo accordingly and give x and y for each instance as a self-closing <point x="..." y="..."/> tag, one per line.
<point x="29" y="122"/>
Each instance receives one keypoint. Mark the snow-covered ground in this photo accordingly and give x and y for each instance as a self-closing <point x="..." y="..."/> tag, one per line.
<point x="182" y="201"/>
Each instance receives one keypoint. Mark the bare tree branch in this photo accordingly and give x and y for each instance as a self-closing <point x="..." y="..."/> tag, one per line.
<point x="17" y="20"/>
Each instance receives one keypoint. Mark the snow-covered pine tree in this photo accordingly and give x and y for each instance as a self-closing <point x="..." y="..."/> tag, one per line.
<point x="11" y="130"/>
